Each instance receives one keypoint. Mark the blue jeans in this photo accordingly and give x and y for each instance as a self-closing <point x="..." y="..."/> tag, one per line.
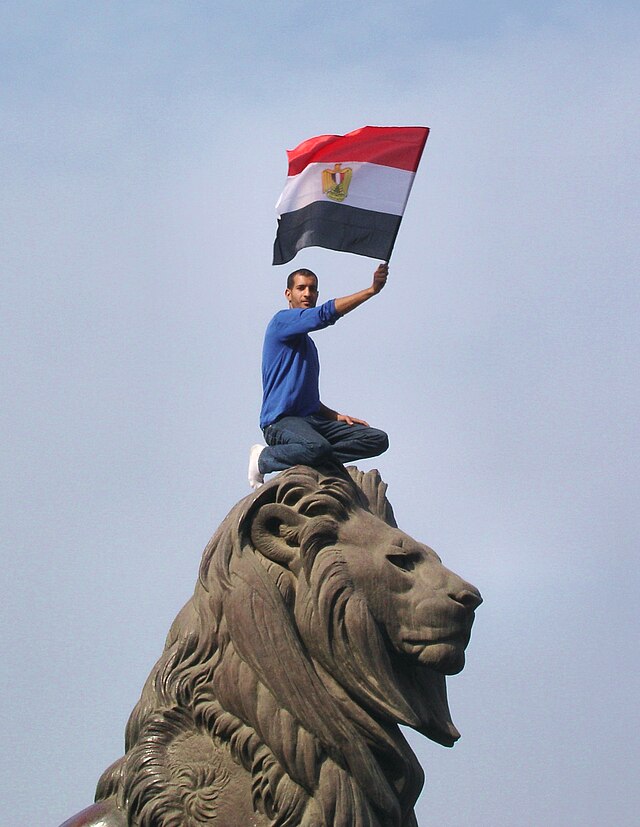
<point x="311" y="440"/>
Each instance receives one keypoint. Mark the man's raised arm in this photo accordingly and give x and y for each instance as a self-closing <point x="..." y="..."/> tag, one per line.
<point x="348" y="303"/>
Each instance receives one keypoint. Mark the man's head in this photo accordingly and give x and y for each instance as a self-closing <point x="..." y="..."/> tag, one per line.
<point x="302" y="289"/>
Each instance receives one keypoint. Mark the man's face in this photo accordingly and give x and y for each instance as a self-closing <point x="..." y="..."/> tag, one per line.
<point x="304" y="292"/>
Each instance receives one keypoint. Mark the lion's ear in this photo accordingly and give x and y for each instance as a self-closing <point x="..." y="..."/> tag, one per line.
<point x="275" y="532"/>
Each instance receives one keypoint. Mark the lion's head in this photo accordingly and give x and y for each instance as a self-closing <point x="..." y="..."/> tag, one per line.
<point x="316" y="627"/>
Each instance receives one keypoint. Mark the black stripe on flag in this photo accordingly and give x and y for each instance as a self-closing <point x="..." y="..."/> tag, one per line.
<point x="336" y="227"/>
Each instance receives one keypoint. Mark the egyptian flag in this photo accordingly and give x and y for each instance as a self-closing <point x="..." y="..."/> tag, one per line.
<point x="348" y="192"/>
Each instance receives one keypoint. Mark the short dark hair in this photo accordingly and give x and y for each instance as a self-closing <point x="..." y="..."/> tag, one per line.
<point x="301" y="272"/>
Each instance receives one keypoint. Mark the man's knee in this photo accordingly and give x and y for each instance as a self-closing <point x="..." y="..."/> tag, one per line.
<point x="378" y="440"/>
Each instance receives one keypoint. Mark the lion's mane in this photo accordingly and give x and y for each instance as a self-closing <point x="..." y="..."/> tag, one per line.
<point x="313" y="724"/>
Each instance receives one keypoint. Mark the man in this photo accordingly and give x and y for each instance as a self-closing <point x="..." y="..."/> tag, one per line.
<point x="298" y="428"/>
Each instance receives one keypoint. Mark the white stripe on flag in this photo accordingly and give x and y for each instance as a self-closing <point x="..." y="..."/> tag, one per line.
<point x="373" y="187"/>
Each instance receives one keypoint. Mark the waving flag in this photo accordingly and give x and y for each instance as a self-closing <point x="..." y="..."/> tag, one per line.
<point x="348" y="192"/>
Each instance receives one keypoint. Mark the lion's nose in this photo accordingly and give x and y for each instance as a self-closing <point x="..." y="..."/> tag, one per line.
<point x="469" y="597"/>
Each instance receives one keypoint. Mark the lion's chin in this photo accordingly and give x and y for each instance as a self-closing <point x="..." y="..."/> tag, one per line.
<point x="445" y="657"/>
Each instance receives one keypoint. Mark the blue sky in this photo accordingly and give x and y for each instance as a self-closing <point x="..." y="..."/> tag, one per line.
<point x="143" y="149"/>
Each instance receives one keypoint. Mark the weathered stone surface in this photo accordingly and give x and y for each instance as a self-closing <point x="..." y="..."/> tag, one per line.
<point x="316" y="627"/>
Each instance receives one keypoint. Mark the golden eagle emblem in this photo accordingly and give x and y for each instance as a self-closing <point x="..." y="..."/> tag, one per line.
<point x="335" y="182"/>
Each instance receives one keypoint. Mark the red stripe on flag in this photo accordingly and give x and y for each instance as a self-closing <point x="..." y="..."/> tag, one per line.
<point x="390" y="146"/>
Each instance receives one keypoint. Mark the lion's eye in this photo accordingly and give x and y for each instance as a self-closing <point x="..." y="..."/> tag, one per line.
<point x="406" y="562"/>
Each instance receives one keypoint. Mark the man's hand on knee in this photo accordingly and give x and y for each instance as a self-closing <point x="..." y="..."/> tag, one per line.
<point x="329" y="413"/>
<point x="351" y="420"/>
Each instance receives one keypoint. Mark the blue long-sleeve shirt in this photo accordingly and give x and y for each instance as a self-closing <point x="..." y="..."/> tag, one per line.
<point x="290" y="365"/>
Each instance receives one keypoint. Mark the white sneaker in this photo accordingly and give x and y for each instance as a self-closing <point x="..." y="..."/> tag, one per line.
<point x="255" y="477"/>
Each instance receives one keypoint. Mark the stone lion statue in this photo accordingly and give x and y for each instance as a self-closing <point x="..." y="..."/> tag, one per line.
<point x="316" y="628"/>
